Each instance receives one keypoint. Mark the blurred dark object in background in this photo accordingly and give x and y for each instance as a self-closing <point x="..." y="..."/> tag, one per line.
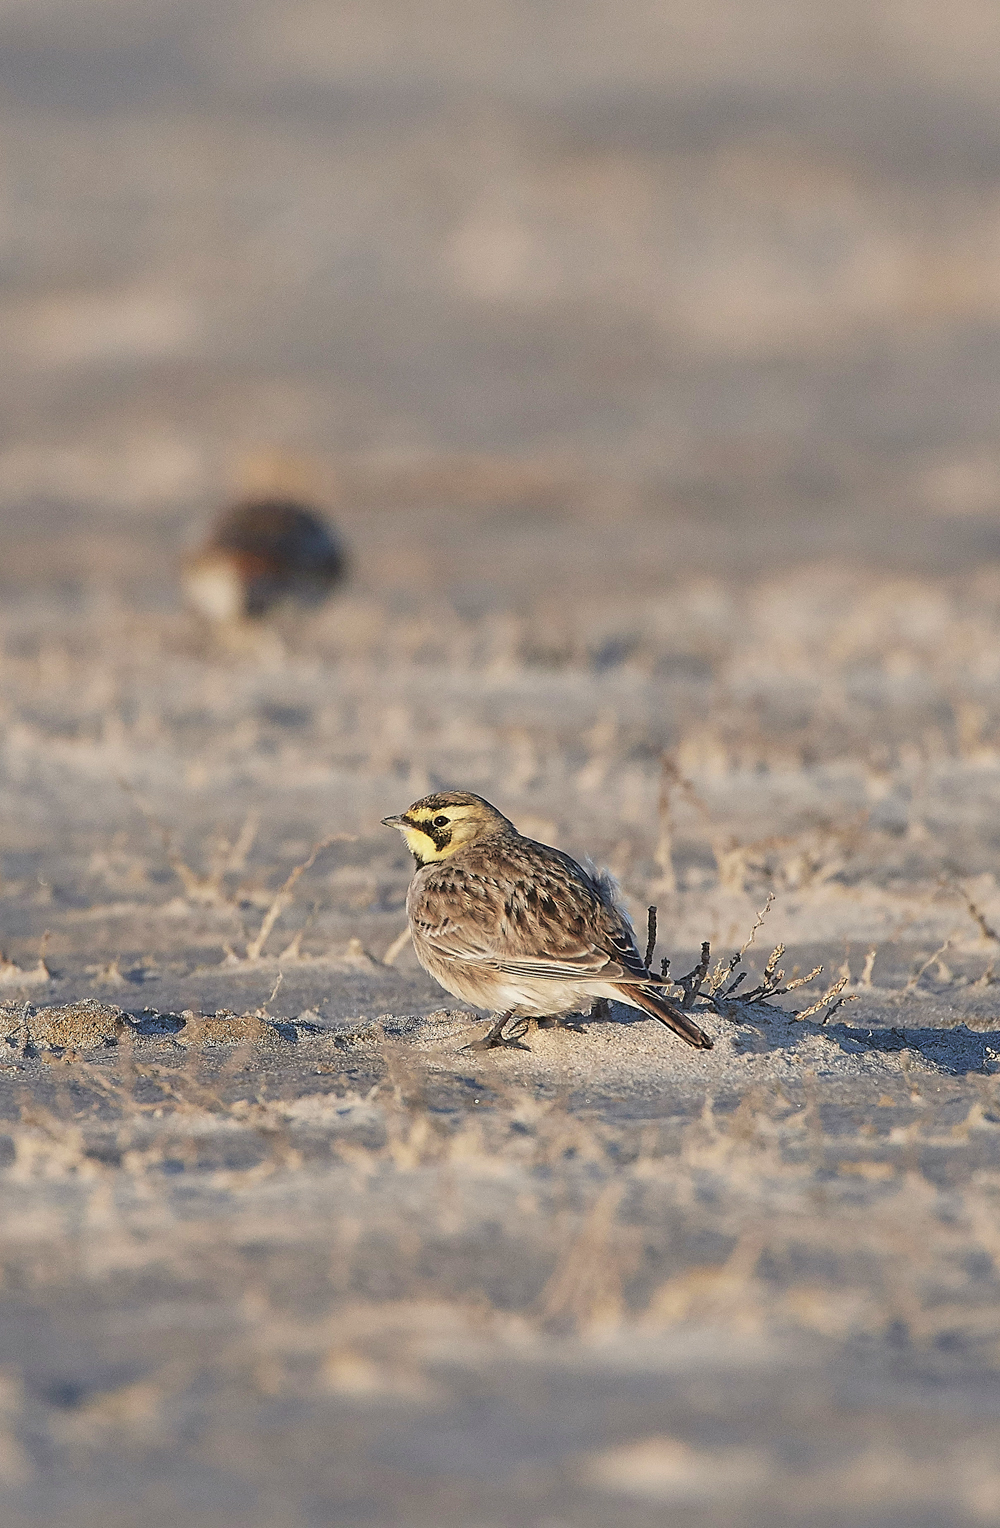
<point x="262" y="554"/>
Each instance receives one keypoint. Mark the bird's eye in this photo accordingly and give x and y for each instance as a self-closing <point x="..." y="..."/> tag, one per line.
<point x="440" y="822"/>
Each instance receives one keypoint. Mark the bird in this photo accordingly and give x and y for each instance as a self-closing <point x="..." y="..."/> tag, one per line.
<point x="260" y="554"/>
<point x="520" y="928"/>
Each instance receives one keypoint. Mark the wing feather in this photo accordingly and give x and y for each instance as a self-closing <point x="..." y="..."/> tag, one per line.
<point x="525" y="910"/>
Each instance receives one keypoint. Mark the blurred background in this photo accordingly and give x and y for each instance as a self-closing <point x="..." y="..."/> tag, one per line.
<point x="727" y="272"/>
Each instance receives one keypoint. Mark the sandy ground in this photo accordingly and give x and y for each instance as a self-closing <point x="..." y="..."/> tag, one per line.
<point x="650" y="372"/>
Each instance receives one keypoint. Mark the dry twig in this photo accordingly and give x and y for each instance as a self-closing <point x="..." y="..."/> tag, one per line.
<point x="975" y="913"/>
<point x="915" y="978"/>
<point x="284" y="896"/>
<point x="722" y="993"/>
<point x="397" y="947"/>
<point x="650" y="935"/>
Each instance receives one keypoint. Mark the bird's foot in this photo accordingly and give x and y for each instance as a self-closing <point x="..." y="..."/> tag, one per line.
<point x="495" y="1039"/>
<point x="558" y="1022"/>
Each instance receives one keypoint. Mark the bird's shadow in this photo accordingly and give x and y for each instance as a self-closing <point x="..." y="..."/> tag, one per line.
<point x="757" y="1031"/>
<point x="957" y="1051"/>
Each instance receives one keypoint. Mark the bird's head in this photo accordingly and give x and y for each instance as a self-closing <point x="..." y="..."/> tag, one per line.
<point x="436" y="826"/>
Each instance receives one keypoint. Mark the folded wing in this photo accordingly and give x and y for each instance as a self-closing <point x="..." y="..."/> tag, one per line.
<point x="546" y="919"/>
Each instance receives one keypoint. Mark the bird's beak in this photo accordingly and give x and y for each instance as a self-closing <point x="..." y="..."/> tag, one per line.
<point x="394" y="822"/>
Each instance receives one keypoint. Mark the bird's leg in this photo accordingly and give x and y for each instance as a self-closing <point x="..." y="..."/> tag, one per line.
<point x="495" y="1037"/>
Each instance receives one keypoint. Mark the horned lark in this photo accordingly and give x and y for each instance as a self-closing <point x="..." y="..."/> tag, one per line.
<point x="516" y="927"/>
<point x="263" y="553"/>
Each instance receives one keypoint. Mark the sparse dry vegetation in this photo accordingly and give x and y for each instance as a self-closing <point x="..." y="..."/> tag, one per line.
<point x="227" y="1088"/>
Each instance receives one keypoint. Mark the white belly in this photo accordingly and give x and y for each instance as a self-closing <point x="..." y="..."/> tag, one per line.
<point x="529" y="997"/>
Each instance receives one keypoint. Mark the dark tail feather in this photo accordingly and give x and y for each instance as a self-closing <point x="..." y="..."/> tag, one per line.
<point x="670" y="1014"/>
